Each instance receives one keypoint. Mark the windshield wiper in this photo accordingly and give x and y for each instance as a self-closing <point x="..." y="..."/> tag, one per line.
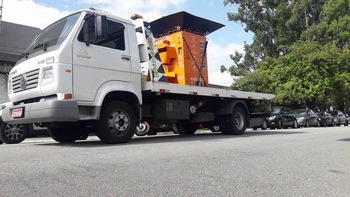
<point x="41" y="45"/>
<point x="23" y="55"/>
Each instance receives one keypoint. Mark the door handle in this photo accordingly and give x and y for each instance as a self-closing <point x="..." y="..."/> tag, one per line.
<point x="125" y="58"/>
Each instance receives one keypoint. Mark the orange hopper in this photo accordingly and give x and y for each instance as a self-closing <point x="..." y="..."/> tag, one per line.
<point x="181" y="44"/>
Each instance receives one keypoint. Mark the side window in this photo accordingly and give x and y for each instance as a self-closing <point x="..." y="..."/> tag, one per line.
<point x="114" y="40"/>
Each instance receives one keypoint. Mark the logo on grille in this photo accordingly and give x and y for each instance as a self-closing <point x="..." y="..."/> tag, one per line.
<point x="23" y="82"/>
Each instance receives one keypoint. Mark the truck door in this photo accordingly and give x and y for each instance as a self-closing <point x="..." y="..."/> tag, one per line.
<point x="100" y="60"/>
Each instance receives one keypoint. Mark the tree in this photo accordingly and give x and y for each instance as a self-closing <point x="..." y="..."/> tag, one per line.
<point x="312" y="42"/>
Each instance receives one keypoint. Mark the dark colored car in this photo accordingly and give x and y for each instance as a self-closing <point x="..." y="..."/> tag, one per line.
<point x="339" y="118"/>
<point x="282" y="117"/>
<point x="307" y="118"/>
<point x="325" y="118"/>
<point x="259" y="120"/>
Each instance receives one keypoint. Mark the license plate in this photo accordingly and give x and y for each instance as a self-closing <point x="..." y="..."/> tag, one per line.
<point x="17" y="112"/>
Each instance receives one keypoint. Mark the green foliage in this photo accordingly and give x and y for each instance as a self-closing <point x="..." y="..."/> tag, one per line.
<point x="300" y="51"/>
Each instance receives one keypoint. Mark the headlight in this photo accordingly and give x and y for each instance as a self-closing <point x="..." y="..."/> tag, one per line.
<point x="47" y="76"/>
<point x="272" y="117"/>
<point x="301" y="118"/>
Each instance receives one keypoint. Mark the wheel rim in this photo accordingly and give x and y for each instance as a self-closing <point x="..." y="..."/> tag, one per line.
<point x="14" y="132"/>
<point x="118" y="122"/>
<point x="239" y="120"/>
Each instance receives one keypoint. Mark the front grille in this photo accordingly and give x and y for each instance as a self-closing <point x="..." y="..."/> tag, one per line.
<point x="26" y="81"/>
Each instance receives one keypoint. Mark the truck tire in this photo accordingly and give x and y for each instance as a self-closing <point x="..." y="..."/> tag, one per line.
<point x="117" y="123"/>
<point x="236" y="123"/>
<point x="63" y="135"/>
<point x="184" y="128"/>
<point x="13" y="133"/>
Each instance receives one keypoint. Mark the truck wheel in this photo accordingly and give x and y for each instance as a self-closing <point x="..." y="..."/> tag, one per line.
<point x="117" y="123"/>
<point x="63" y="135"/>
<point x="13" y="133"/>
<point x="184" y="128"/>
<point x="236" y="123"/>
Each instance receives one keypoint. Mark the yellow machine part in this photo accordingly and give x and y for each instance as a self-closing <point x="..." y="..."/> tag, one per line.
<point x="181" y="54"/>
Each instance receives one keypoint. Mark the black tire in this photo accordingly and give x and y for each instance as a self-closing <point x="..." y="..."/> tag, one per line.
<point x="295" y="124"/>
<point x="236" y="123"/>
<point x="117" y="123"/>
<point x="279" y="124"/>
<point x="184" y="128"/>
<point x="13" y="133"/>
<point x="264" y="125"/>
<point x="346" y="123"/>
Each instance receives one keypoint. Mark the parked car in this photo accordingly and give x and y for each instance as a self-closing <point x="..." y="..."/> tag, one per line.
<point x="307" y="118"/>
<point x="259" y="120"/>
<point x="12" y="133"/>
<point x="339" y="118"/>
<point x="282" y="117"/>
<point x="325" y="119"/>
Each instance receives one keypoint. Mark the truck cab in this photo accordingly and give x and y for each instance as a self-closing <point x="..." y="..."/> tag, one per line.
<point x="73" y="67"/>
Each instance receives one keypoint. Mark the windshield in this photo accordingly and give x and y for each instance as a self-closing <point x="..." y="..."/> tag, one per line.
<point x="54" y="34"/>
<point x="276" y="111"/>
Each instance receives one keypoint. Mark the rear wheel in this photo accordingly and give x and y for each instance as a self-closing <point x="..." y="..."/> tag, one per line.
<point x="184" y="128"/>
<point x="13" y="133"/>
<point x="117" y="123"/>
<point x="236" y="123"/>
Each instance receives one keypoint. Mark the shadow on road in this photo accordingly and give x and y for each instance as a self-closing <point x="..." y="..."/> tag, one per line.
<point x="170" y="137"/>
<point x="345" y="140"/>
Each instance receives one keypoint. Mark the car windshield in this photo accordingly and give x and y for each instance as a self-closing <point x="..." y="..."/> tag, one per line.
<point x="276" y="111"/>
<point x="53" y="35"/>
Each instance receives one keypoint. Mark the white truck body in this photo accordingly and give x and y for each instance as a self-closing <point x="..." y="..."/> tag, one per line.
<point x="70" y="81"/>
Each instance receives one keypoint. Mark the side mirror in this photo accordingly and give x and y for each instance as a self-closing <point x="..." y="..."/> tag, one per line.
<point x="101" y="25"/>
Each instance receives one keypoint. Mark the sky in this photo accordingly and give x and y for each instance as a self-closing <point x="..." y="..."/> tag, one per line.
<point x="221" y="43"/>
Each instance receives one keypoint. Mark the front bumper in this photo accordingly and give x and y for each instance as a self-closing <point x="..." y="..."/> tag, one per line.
<point x="45" y="111"/>
<point x="272" y="123"/>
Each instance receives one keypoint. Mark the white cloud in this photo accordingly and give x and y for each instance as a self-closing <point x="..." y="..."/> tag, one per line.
<point x="27" y="12"/>
<point x="220" y="55"/>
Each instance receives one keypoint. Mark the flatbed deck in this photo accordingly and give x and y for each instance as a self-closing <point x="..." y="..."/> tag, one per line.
<point x="163" y="87"/>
